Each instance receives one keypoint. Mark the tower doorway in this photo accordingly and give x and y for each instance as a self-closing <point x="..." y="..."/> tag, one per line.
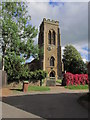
<point x="52" y="74"/>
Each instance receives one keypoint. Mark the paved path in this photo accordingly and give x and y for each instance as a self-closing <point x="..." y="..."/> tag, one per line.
<point x="9" y="111"/>
<point x="53" y="105"/>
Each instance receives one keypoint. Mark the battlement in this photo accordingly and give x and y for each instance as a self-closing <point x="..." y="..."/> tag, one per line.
<point x="50" y="21"/>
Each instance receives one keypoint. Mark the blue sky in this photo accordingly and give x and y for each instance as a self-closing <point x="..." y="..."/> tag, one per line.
<point x="73" y="22"/>
<point x="53" y="4"/>
<point x="30" y="59"/>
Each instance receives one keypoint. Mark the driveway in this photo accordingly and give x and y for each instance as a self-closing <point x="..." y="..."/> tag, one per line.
<point x="54" y="105"/>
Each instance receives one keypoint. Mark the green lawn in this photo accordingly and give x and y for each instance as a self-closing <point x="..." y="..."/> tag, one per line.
<point x="74" y="87"/>
<point x="38" y="88"/>
<point x="19" y="87"/>
<point x="59" y="81"/>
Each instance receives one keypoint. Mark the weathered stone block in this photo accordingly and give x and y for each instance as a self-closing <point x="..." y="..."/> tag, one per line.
<point x="50" y="83"/>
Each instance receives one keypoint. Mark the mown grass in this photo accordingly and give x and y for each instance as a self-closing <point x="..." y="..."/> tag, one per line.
<point x="78" y="87"/>
<point x="38" y="88"/>
<point x="19" y="88"/>
<point x="59" y="81"/>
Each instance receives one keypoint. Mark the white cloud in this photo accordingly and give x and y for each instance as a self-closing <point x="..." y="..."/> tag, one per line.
<point x="72" y="17"/>
<point x="62" y="48"/>
<point x="84" y="60"/>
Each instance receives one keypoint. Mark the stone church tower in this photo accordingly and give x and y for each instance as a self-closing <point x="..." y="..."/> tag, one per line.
<point x="49" y="42"/>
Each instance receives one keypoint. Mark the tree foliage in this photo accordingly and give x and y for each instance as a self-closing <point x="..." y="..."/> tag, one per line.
<point x="73" y="61"/>
<point x="17" y="40"/>
<point x="78" y="66"/>
<point x="41" y="52"/>
<point x="38" y="75"/>
<point x="13" y="67"/>
<point x="17" y="32"/>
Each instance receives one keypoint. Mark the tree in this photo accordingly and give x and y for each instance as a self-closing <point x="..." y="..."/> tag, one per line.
<point x="13" y="67"/>
<point x="17" y="32"/>
<point x="71" y="54"/>
<point x="41" y="52"/>
<point x="24" y="73"/>
<point x="11" y="39"/>
<point x="77" y="66"/>
<point x="38" y="75"/>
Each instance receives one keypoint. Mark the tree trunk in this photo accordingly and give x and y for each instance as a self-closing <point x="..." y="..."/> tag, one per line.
<point x="40" y="82"/>
<point x="3" y="62"/>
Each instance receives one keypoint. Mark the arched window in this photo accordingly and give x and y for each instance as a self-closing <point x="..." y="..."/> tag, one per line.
<point x="52" y="74"/>
<point x="49" y="37"/>
<point x="53" y="37"/>
<point x="52" y="61"/>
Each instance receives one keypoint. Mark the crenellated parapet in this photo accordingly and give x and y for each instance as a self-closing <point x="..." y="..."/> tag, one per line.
<point x="50" y="21"/>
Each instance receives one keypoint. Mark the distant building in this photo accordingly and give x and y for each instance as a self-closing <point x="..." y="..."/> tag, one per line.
<point x="49" y="42"/>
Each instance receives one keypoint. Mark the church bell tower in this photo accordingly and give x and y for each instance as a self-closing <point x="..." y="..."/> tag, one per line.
<point x="49" y="42"/>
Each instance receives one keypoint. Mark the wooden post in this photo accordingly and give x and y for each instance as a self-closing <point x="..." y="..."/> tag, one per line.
<point x="25" y="86"/>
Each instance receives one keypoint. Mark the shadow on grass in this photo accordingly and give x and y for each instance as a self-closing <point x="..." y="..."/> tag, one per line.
<point x="62" y="105"/>
<point x="17" y="89"/>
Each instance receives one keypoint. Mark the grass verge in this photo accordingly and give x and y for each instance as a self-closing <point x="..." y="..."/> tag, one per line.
<point x="78" y="87"/>
<point x="38" y="88"/>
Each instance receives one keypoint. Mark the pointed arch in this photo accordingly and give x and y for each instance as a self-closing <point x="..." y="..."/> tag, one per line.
<point x="52" y="59"/>
<point x="49" y="37"/>
<point x="52" y="74"/>
<point x="54" y="38"/>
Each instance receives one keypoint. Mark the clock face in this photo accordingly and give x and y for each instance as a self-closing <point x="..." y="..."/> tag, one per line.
<point x="49" y="48"/>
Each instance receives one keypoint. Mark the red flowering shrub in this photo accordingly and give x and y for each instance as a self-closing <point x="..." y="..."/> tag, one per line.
<point x="75" y="79"/>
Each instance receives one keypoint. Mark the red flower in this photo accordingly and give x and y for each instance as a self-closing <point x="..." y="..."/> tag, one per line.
<point x="76" y="79"/>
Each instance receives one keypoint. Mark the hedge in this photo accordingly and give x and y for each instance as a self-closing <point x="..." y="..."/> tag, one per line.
<point x="75" y="79"/>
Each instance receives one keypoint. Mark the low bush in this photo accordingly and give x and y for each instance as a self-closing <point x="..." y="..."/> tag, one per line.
<point x="75" y="79"/>
<point x="37" y="75"/>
